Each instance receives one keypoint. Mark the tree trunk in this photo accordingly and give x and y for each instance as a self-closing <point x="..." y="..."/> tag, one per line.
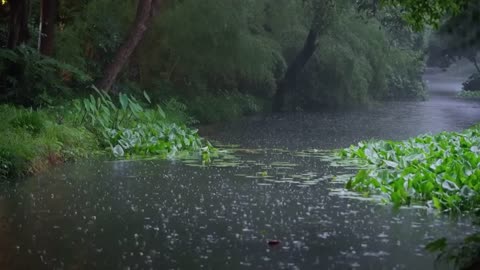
<point x="18" y="23"/>
<point x="290" y="78"/>
<point x="48" y="19"/>
<point x="145" y="11"/>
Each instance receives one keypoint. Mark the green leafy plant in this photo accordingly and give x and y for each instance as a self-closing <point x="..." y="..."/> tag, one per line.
<point x="440" y="170"/>
<point x="29" y="77"/>
<point x="130" y="129"/>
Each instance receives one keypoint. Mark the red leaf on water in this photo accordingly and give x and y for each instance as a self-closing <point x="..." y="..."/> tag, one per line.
<point x="273" y="242"/>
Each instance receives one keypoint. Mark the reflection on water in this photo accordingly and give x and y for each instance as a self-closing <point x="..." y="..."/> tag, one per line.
<point x="172" y="215"/>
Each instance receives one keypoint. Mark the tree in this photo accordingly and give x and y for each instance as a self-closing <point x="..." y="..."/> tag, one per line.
<point x="146" y="10"/>
<point x="18" y="23"/>
<point x="458" y="37"/>
<point x="48" y="18"/>
<point x="426" y="12"/>
<point x="323" y="10"/>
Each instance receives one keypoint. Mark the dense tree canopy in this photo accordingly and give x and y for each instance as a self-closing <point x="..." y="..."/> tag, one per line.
<point x="295" y="54"/>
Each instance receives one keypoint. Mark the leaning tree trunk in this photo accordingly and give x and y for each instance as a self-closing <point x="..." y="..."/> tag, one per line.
<point x="145" y="12"/>
<point x="18" y="23"/>
<point x="48" y="19"/>
<point x="289" y="80"/>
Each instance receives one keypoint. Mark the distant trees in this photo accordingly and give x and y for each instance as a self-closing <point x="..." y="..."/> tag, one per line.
<point x="458" y="37"/>
<point x="426" y="12"/>
<point x="292" y="52"/>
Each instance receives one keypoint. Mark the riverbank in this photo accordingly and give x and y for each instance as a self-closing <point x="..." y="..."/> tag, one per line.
<point x="183" y="216"/>
<point x="34" y="140"/>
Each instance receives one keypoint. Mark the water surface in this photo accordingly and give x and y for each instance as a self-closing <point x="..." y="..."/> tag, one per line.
<point x="168" y="215"/>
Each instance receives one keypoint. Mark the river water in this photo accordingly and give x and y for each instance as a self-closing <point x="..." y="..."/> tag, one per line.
<point x="171" y="215"/>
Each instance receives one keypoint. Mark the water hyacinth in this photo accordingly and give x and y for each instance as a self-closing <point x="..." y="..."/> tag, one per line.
<point x="134" y="129"/>
<point x="154" y="139"/>
<point x="441" y="170"/>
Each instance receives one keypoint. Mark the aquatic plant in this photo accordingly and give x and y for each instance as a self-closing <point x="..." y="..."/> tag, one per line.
<point x="469" y="94"/>
<point x="32" y="139"/>
<point x="131" y="129"/>
<point x="440" y="170"/>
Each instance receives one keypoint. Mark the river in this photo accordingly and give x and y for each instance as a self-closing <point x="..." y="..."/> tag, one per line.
<point x="171" y="215"/>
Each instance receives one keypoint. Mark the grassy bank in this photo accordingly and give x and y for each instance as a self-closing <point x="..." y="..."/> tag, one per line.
<point x="33" y="140"/>
<point x="439" y="170"/>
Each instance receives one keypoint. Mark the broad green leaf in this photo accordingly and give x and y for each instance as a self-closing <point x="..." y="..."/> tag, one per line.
<point x="437" y="245"/>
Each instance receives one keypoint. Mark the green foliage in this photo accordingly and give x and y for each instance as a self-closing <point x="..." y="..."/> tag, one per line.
<point x="208" y="108"/>
<point x="438" y="169"/>
<point x="221" y="45"/>
<point x="164" y="140"/>
<point x="28" y="75"/>
<point x="95" y="30"/>
<point x="404" y="79"/>
<point x="130" y="129"/>
<point x="203" y="48"/>
<point x="420" y="13"/>
<point x="360" y="61"/>
<point x="469" y="94"/>
<point x="31" y="139"/>
<point x="28" y="120"/>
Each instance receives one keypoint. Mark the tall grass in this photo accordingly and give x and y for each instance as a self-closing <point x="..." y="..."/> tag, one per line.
<point x="32" y="140"/>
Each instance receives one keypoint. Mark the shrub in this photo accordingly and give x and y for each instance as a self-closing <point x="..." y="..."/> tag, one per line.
<point x="469" y="94"/>
<point x="208" y="108"/>
<point x="30" y="78"/>
<point x="473" y="83"/>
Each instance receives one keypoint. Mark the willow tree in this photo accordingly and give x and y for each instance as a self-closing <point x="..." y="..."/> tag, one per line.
<point x="323" y="13"/>
<point x="146" y="10"/>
